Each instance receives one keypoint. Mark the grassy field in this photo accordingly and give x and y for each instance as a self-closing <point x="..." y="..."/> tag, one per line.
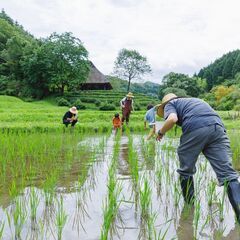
<point x="17" y="115"/>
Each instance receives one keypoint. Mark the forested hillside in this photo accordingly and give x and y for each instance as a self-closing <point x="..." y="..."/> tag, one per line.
<point x="222" y="69"/>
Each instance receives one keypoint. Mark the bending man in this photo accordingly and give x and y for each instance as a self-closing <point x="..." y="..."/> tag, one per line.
<point x="203" y="131"/>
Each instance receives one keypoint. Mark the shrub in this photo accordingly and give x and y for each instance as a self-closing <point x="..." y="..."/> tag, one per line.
<point x="97" y="103"/>
<point x="79" y="105"/>
<point x="107" y="107"/>
<point x="63" y="102"/>
<point x="137" y="107"/>
<point x="88" y="100"/>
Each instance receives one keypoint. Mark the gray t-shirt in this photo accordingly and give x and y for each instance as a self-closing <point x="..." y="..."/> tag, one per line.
<point x="192" y="113"/>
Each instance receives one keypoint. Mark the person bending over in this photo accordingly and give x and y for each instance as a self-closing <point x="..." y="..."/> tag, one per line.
<point x="70" y="117"/>
<point x="202" y="132"/>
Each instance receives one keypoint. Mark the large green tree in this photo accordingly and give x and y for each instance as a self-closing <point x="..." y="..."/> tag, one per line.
<point x="59" y="63"/>
<point x="182" y="85"/>
<point x="130" y="64"/>
<point x="69" y="61"/>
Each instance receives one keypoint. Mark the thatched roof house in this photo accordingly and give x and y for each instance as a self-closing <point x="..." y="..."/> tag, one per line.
<point x="96" y="80"/>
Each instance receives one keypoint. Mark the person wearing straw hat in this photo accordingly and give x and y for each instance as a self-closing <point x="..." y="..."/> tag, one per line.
<point x="70" y="117"/>
<point x="127" y="107"/>
<point x="202" y="132"/>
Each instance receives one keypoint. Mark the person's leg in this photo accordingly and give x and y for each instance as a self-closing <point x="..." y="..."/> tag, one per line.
<point x="127" y="118"/>
<point x="191" y="145"/>
<point x="123" y="117"/>
<point x="66" y="123"/>
<point x="74" y="122"/>
<point x="218" y="152"/>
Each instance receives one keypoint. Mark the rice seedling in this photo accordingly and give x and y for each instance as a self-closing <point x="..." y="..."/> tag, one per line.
<point x="221" y="203"/>
<point x="133" y="160"/>
<point x="61" y="218"/>
<point x="111" y="205"/>
<point x="147" y="216"/>
<point x="2" y="225"/>
<point x="176" y="194"/>
<point x="196" y="218"/>
<point x="162" y="234"/>
<point x="48" y="188"/>
<point x="19" y="217"/>
<point x="34" y="202"/>
<point x="211" y="194"/>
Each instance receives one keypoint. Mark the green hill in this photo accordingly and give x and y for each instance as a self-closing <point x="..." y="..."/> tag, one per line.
<point x="226" y="67"/>
<point x="147" y="88"/>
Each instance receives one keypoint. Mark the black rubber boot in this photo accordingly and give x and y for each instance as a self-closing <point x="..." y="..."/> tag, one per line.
<point x="187" y="186"/>
<point x="233" y="191"/>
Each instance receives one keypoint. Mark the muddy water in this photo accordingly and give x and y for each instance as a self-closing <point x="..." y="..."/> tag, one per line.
<point x="83" y="205"/>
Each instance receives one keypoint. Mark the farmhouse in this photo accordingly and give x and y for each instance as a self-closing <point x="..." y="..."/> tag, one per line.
<point x="96" y="80"/>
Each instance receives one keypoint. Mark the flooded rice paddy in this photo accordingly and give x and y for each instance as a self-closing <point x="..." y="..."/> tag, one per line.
<point x="71" y="186"/>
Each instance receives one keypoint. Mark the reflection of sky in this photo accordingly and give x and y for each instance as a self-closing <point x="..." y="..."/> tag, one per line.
<point x="180" y="36"/>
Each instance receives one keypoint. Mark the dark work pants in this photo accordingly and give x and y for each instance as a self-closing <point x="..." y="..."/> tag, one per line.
<point x="213" y="142"/>
<point x="68" y="122"/>
<point x="125" y="116"/>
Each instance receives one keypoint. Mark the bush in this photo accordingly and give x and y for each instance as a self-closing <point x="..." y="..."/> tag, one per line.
<point x="107" y="107"/>
<point x="88" y="100"/>
<point x="97" y="103"/>
<point x="137" y="107"/>
<point x="63" y="102"/>
<point x="79" y="105"/>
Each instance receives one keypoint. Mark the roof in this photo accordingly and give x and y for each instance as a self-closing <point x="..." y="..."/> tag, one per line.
<point x="95" y="76"/>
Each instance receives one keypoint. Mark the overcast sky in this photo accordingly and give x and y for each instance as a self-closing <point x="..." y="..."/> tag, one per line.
<point x="175" y="35"/>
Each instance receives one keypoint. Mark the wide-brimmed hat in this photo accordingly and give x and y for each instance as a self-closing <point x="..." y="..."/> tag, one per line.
<point x="73" y="110"/>
<point x="167" y="98"/>
<point x="130" y="95"/>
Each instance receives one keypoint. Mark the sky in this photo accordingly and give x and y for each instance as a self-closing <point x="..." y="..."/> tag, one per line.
<point x="175" y="35"/>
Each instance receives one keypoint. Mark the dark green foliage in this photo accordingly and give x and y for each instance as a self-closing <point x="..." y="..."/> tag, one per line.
<point x="88" y="100"/>
<point x="63" y="102"/>
<point x="181" y="85"/>
<point x="137" y="107"/>
<point x="97" y="103"/>
<point x="107" y="107"/>
<point x="79" y="105"/>
<point x="221" y="69"/>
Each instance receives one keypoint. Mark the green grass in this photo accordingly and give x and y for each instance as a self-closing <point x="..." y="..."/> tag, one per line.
<point x="40" y="116"/>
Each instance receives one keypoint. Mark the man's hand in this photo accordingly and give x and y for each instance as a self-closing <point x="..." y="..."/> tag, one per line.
<point x="159" y="136"/>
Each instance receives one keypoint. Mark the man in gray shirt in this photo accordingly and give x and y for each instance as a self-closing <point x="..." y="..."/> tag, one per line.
<point x="203" y="131"/>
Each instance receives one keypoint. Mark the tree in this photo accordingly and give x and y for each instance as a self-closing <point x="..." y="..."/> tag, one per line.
<point x="130" y="65"/>
<point x="236" y="66"/>
<point x="69" y="61"/>
<point x="183" y="84"/>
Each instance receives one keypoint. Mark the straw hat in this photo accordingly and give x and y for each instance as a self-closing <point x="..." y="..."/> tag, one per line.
<point x="130" y="95"/>
<point x="167" y="98"/>
<point x="73" y="110"/>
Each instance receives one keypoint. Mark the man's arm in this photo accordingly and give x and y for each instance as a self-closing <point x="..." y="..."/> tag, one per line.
<point x="168" y="124"/>
<point x="121" y="103"/>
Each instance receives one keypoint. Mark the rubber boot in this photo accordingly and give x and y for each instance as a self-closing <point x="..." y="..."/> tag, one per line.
<point x="187" y="186"/>
<point x="233" y="191"/>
